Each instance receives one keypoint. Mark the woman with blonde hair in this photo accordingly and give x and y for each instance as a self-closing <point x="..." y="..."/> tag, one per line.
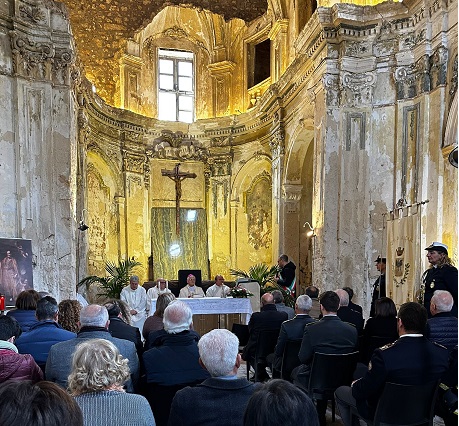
<point x="96" y="383"/>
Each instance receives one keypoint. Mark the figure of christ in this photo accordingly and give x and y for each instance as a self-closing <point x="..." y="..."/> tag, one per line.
<point x="177" y="176"/>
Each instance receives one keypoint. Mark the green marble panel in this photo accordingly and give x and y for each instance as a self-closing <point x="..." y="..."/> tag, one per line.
<point x="172" y="252"/>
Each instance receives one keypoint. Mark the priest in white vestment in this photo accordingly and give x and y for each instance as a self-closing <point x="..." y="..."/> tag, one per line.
<point x="135" y="297"/>
<point x="191" y="289"/>
<point x="161" y="287"/>
<point x="219" y="289"/>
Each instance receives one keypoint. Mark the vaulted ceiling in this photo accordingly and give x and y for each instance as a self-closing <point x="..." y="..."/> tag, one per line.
<point x="100" y="27"/>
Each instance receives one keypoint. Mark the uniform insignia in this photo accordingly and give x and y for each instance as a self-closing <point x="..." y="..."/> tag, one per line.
<point x="439" y="345"/>
<point x="386" y="346"/>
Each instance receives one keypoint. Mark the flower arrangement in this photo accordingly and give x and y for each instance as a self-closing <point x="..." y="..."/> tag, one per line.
<point x="239" y="292"/>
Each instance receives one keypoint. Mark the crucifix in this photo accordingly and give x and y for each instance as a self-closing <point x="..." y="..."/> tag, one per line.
<point x="177" y="176"/>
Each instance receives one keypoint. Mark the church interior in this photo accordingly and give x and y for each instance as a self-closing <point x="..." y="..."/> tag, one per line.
<point x="216" y="135"/>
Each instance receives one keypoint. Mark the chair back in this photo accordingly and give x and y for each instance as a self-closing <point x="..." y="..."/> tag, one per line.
<point x="374" y="342"/>
<point x="290" y="358"/>
<point x="266" y="343"/>
<point x="329" y="372"/>
<point x="407" y="405"/>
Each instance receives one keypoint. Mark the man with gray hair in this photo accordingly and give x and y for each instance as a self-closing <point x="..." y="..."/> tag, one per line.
<point x="442" y="327"/>
<point x="293" y="329"/>
<point x="221" y="399"/>
<point x="174" y="358"/>
<point x="280" y="305"/>
<point x="347" y="314"/>
<point x="93" y="325"/>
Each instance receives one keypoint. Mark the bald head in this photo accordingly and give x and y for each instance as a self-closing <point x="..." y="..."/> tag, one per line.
<point x="343" y="297"/>
<point x="267" y="299"/>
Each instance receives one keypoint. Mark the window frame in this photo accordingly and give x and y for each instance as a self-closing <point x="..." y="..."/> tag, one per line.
<point x="165" y="53"/>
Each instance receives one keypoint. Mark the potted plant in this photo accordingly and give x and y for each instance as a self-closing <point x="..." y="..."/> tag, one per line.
<point x="117" y="278"/>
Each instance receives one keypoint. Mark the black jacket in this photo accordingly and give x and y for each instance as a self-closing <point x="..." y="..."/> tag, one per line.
<point x="442" y="328"/>
<point x="443" y="278"/>
<point x="118" y="328"/>
<point x="353" y="317"/>
<point x="287" y="274"/>
<point x="269" y="318"/>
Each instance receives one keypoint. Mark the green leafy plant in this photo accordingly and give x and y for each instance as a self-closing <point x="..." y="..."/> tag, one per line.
<point x="260" y="272"/>
<point x="264" y="275"/>
<point x="117" y="277"/>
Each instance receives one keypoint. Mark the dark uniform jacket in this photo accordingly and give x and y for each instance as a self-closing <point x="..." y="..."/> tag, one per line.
<point x="269" y="318"/>
<point x="407" y="361"/>
<point x="379" y="290"/>
<point x="290" y="330"/>
<point x="440" y="278"/>
<point x="353" y="317"/>
<point x="287" y="274"/>
<point x="329" y="335"/>
<point x="355" y="307"/>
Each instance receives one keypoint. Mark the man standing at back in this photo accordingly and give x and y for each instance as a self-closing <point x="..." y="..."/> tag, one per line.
<point x="221" y="399"/>
<point x="286" y="274"/>
<point x="410" y="360"/>
<point x="330" y="335"/>
<point x="93" y="325"/>
<point x="46" y="333"/>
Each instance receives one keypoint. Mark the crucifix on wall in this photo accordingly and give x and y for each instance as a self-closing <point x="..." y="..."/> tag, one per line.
<point x="177" y="176"/>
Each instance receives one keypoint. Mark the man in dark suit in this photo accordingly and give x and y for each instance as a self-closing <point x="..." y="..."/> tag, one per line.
<point x="352" y="305"/>
<point x="220" y="399"/>
<point x="379" y="286"/>
<point x="293" y="329"/>
<point x="93" y="325"/>
<point x="346" y="313"/>
<point x="329" y="335"/>
<point x="410" y="360"/>
<point x="118" y="328"/>
<point x="269" y="318"/>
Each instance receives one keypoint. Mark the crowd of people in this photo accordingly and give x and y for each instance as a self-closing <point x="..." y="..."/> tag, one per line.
<point x="64" y="363"/>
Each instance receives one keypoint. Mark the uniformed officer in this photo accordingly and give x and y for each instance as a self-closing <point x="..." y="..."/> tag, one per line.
<point x="441" y="275"/>
<point x="379" y="286"/>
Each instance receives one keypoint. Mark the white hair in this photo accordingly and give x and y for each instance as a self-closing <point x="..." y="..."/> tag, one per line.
<point x="304" y="303"/>
<point x="177" y="317"/>
<point x="343" y="297"/>
<point x="94" y="315"/>
<point x="218" y="351"/>
<point x="443" y="300"/>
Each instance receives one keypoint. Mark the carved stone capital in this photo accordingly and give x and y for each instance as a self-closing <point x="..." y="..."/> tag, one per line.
<point x="220" y="165"/>
<point x="358" y="88"/>
<point x="291" y="194"/>
<point x="133" y="163"/>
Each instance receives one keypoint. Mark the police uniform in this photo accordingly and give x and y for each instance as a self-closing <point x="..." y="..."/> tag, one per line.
<point x="440" y="278"/>
<point x="379" y="287"/>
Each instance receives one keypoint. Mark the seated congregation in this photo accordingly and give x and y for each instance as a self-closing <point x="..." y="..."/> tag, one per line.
<point x="94" y="365"/>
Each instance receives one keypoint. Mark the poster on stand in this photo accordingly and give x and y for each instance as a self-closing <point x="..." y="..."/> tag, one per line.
<point x="16" y="273"/>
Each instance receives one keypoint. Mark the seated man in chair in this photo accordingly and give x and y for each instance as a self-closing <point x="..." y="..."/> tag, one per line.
<point x="410" y="360"/>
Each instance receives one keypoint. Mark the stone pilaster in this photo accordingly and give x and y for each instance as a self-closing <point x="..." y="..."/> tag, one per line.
<point x="221" y="73"/>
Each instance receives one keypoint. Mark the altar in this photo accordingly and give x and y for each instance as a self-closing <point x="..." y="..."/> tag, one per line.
<point x="215" y="312"/>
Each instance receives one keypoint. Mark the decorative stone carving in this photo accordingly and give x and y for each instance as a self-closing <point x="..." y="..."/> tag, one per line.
<point x="220" y="165"/>
<point x="177" y="146"/>
<point x="405" y="79"/>
<point x="438" y="70"/>
<point x="358" y="88"/>
<point x="277" y="136"/>
<point x="31" y="13"/>
<point x="133" y="163"/>
<point x="292" y="196"/>
<point x="220" y="194"/>
<point x="358" y="48"/>
<point x="31" y="59"/>
<point x="453" y="84"/>
<point x="331" y="85"/>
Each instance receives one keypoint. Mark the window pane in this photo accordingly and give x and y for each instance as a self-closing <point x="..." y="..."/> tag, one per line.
<point x="167" y="106"/>
<point x="185" y="84"/>
<point x="185" y="117"/>
<point x="185" y="103"/>
<point x="166" y="82"/>
<point x="185" y="69"/>
<point x="166" y="66"/>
